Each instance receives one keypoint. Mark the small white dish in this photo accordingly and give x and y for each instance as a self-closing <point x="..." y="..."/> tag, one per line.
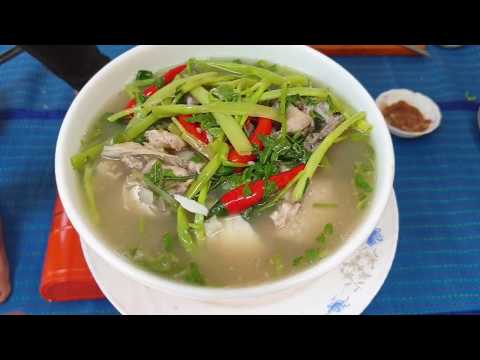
<point x="423" y="103"/>
<point x="346" y="290"/>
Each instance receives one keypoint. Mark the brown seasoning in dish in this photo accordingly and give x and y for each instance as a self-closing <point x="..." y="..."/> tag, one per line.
<point x="405" y="117"/>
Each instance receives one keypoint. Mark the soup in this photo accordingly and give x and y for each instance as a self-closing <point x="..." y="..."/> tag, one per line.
<point x="227" y="173"/>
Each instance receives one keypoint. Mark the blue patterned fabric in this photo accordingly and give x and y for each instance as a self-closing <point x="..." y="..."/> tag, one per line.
<point x="437" y="266"/>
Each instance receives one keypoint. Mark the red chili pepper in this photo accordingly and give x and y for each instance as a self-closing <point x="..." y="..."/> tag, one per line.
<point x="285" y="177"/>
<point x="234" y="156"/>
<point x="149" y="91"/>
<point x="131" y="103"/>
<point x="236" y="202"/>
<point x="171" y="74"/>
<point x="264" y="128"/>
<point x="193" y="128"/>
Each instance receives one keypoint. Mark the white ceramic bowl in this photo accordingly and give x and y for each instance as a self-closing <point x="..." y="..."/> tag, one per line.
<point x="92" y="99"/>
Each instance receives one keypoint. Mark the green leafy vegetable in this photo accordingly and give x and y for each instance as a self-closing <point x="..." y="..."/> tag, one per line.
<point x="362" y="177"/>
<point x="328" y="229"/>
<point x="208" y="123"/>
<point x="168" y="242"/>
<point x="324" y="205"/>
<point x="226" y="93"/>
<point x="326" y="232"/>
<point x="183" y="230"/>
<point x="283" y="110"/>
<point x="199" y="220"/>
<point x="277" y="262"/>
<point x="144" y="74"/>
<point x="309" y="257"/>
<point x="247" y="191"/>
<point x="162" y="263"/>
<point x="89" y="191"/>
<point x="320" y="152"/>
<point x="80" y="159"/>
<point x="193" y="275"/>
<point x="198" y="158"/>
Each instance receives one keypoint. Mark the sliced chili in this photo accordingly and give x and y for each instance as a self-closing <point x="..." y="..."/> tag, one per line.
<point x="193" y="128"/>
<point x="171" y="74"/>
<point x="236" y="202"/>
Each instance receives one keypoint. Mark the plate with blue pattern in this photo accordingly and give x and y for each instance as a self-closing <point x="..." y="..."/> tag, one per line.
<point x="346" y="290"/>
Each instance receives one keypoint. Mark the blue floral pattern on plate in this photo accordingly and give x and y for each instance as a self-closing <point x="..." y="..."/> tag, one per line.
<point x="356" y="270"/>
<point x="375" y="238"/>
<point x="337" y="305"/>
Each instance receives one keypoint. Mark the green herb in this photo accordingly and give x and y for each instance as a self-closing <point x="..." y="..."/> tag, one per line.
<point x="328" y="229"/>
<point x="144" y="74"/>
<point x="277" y="263"/>
<point x="208" y="123"/>
<point x="318" y="120"/>
<point x="324" y="205"/>
<point x="199" y="221"/>
<point x="81" y="159"/>
<point x="90" y="193"/>
<point x="226" y="93"/>
<point x="362" y="183"/>
<point x="288" y="150"/>
<point x="160" y="82"/>
<point x="155" y="175"/>
<point x="198" y="158"/>
<point x="168" y="242"/>
<point x="140" y="139"/>
<point x="163" y="263"/>
<point x="362" y="174"/>
<point x="312" y="255"/>
<point x="317" y="156"/>
<point x="270" y="189"/>
<point x="470" y="97"/>
<point x="322" y="238"/>
<point x="193" y="275"/>
<point x="161" y="193"/>
<point x="326" y="232"/>
<point x="183" y="230"/>
<point x="294" y="100"/>
<point x="283" y="110"/>
<point x="309" y="257"/>
<point x="297" y="261"/>
<point x="247" y="191"/>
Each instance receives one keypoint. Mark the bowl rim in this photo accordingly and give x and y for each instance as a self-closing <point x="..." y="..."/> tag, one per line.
<point x="116" y="260"/>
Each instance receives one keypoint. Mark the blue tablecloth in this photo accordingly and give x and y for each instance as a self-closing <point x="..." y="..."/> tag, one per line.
<point x="437" y="267"/>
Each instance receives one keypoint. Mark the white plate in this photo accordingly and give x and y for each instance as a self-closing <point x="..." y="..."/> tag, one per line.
<point x="347" y="289"/>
